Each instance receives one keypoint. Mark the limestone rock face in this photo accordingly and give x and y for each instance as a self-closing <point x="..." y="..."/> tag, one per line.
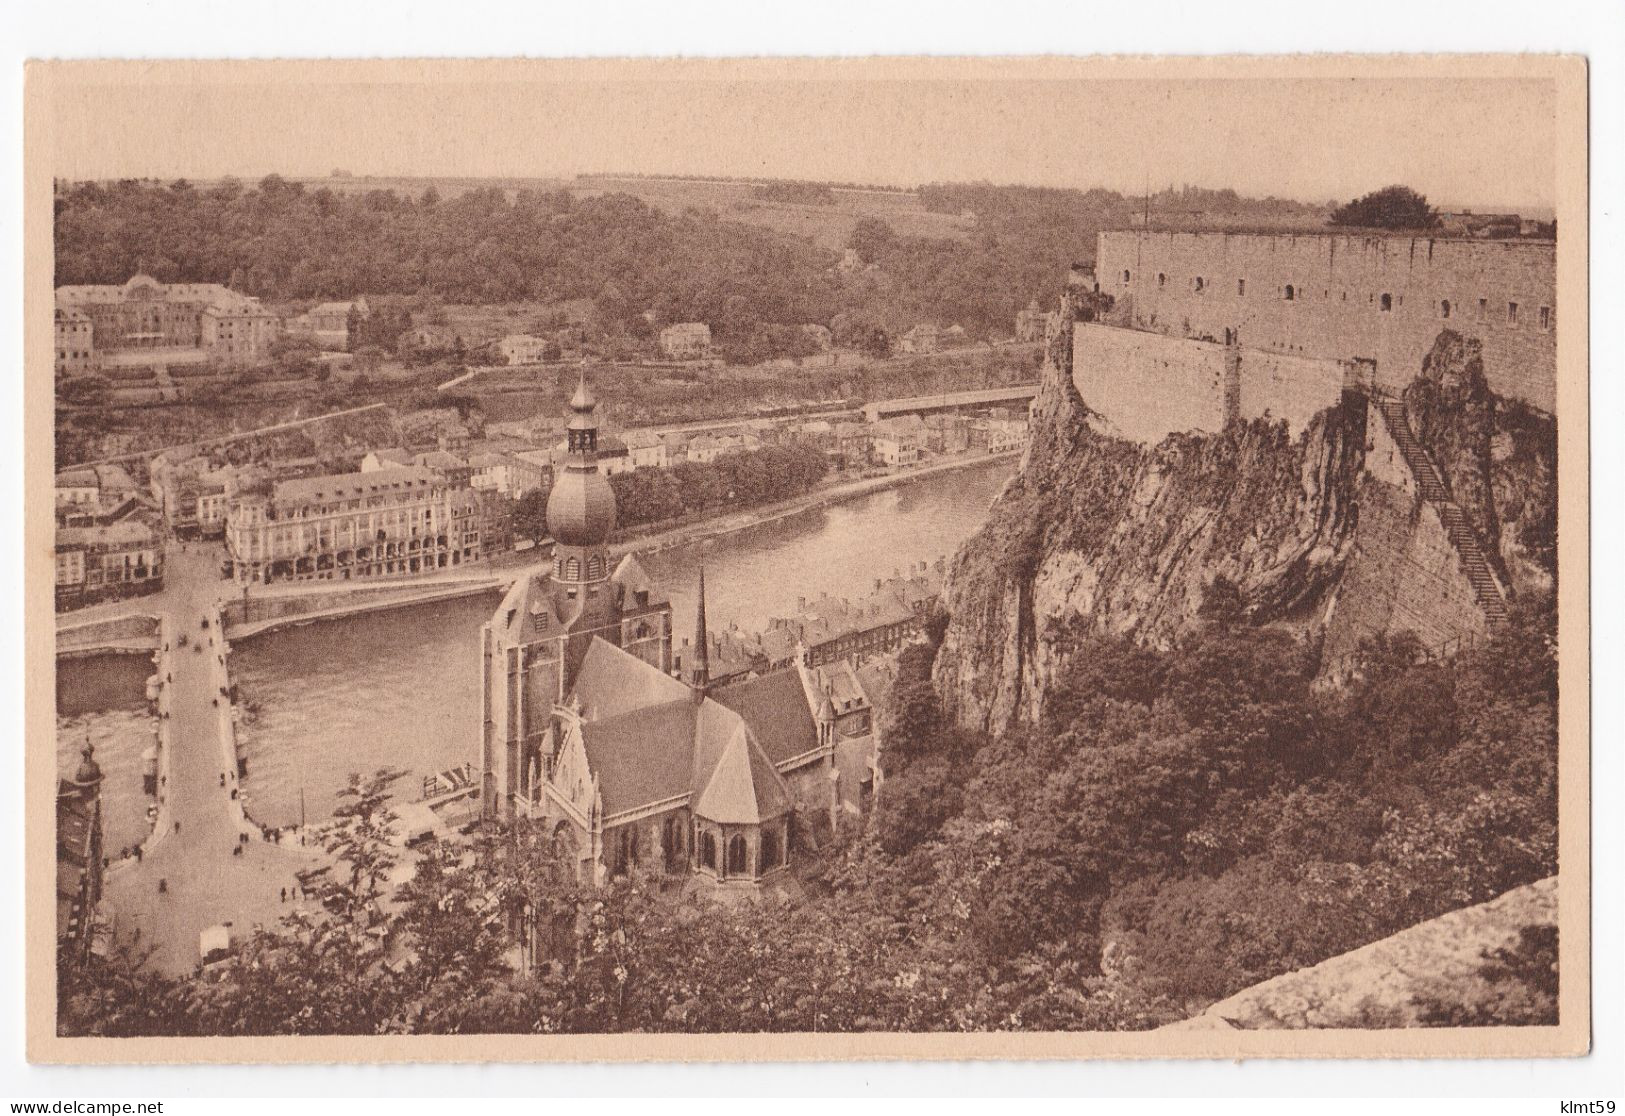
<point x="1097" y="535"/>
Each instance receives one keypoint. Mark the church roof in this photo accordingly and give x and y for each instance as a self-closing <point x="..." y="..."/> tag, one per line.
<point x="775" y="707"/>
<point x="649" y="739"/>
<point x="611" y="682"/>
<point x="735" y="782"/>
<point x="642" y="756"/>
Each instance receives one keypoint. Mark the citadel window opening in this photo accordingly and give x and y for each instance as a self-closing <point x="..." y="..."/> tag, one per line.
<point x="1387" y="303"/>
<point x="1546" y="317"/>
<point x="1512" y="313"/>
<point x="1241" y="288"/>
<point x="1444" y="308"/>
<point x="1162" y="279"/>
<point x="1290" y="293"/>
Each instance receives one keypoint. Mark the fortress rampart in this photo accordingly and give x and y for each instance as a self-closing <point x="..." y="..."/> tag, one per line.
<point x="1335" y="297"/>
<point x="1147" y="385"/>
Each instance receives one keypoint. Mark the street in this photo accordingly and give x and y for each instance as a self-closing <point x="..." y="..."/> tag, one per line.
<point x="206" y="882"/>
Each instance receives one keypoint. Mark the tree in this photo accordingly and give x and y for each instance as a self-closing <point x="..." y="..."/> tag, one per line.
<point x="530" y="515"/>
<point x="360" y="836"/>
<point x="1392" y="207"/>
<point x="871" y="237"/>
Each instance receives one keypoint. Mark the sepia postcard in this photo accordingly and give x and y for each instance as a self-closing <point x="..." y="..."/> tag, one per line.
<point x="776" y="559"/>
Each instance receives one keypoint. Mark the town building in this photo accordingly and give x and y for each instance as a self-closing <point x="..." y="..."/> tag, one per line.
<point x="391" y="521"/>
<point x="1004" y="435"/>
<point x="148" y="324"/>
<point x="522" y="348"/>
<point x="850" y="444"/>
<point x="646" y="449"/>
<point x="75" y="342"/>
<point x="893" y="445"/>
<point x="191" y="495"/>
<point x="454" y="468"/>
<point x="686" y="341"/>
<point x="105" y="561"/>
<point x="706" y="448"/>
<point x="389" y="457"/>
<point x="79" y="859"/>
<point x="834" y="629"/>
<point x="508" y="474"/>
<point x="91" y="495"/>
<point x="328" y="324"/>
<point x="626" y="767"/>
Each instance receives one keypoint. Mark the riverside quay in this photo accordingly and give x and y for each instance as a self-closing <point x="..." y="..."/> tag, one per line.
<point x="389" y="521"/>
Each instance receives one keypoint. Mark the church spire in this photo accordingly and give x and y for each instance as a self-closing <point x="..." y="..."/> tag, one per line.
<point x="702" y="640"/>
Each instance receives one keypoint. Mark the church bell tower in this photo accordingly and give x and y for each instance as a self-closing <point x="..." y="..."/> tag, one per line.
<point x="581" y="519"/>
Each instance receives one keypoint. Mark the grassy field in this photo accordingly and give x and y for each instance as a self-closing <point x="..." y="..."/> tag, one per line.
<point x="828" y="226"/>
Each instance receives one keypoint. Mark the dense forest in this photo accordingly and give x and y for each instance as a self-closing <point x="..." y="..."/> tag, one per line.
<point x="1182" y="824"/>
<point x="281" y="241"/>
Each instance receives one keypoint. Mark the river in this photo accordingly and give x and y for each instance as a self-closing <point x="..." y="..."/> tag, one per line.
<point x="402" y="688"/>
<point x="104" y="698"/>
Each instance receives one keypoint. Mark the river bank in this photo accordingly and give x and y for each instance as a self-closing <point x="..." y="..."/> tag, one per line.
<point x="655" y="538"/>
<point x="280" y="607"/>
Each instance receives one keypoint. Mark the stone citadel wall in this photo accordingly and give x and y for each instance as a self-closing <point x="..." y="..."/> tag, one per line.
<point x="1345" y="297"/>
<point x="1147" y="385"/>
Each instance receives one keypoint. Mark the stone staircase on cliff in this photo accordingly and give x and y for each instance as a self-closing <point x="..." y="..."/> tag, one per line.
<point x="1475" y="564"/>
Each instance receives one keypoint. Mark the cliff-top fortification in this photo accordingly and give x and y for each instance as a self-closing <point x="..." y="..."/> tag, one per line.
<point x="1354" y="429"/>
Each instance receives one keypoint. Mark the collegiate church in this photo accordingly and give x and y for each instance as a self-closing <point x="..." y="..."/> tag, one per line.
<point x="588" y="729"/>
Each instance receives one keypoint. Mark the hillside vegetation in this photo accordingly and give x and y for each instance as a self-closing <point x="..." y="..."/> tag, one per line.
<point x="641" y="246"/>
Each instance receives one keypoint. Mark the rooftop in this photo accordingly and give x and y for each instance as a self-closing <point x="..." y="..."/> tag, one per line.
<point x="350" y="486"/>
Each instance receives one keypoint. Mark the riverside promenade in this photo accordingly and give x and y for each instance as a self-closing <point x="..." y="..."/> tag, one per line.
<point x="200" y="821"/>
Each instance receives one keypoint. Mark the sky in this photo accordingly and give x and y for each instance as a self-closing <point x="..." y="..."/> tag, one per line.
<point x="1480" y="141"/>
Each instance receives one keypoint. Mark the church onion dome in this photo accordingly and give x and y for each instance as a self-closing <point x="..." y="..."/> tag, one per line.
<point x="89" y="770"/>
<point x="581" y="507"/>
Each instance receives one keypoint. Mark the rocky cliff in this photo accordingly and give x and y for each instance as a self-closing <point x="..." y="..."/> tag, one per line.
<point x="1099" y="535"/>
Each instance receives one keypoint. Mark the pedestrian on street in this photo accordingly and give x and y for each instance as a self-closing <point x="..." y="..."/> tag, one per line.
<point x="163" y="887"/>
<point x="177" y="827"/>
<point x="284" y="898"/>
<point x="236" y="850"/>
<point x="222" y="778"/>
